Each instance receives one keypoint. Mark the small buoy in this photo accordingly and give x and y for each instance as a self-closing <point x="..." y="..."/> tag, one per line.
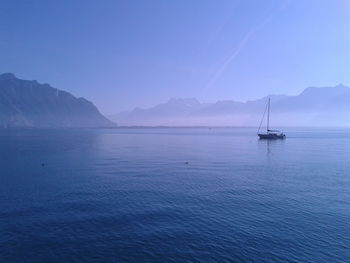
<point x="186" y="162"/>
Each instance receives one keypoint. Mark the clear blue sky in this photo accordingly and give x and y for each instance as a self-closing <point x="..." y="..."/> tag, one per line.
<point x="122" y="54"/>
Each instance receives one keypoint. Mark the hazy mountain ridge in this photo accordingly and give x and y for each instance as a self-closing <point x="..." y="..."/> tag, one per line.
<point x="27" y="103"/>
<point x="315" y="106"/>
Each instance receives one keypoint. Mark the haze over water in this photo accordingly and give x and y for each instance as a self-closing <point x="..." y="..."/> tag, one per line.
<point x="174" y="195"/>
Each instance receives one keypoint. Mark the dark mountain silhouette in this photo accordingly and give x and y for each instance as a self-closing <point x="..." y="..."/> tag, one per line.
<point x="325" y="106"/>
<point x="25" y="103"/>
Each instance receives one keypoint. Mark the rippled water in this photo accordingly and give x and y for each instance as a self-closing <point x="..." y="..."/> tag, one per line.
<point x="174" y="195"/>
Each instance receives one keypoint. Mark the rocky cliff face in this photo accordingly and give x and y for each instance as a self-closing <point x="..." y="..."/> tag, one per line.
<point x="25" y="103"/>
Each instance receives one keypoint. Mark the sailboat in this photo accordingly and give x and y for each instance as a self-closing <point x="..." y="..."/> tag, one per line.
<point x="270" y="134"/>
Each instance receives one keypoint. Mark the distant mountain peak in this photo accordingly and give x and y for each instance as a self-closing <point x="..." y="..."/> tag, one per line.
<point x="341" y="85"/>
<point x="335" y="90"/>
<point x="7" y="76"/>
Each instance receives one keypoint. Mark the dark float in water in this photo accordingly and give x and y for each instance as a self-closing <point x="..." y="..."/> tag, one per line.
<point x="270" y="134"/>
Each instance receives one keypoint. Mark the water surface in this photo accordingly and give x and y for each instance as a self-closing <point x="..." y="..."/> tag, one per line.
<point x="174" y="195"/>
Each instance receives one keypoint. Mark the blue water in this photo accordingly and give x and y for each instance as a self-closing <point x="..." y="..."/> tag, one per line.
<point x="174" y="195"/>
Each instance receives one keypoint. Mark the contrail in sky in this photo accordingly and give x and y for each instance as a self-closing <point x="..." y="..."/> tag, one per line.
<point x="240" y="46"/>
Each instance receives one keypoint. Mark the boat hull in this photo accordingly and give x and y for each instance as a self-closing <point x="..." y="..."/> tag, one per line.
<point x="271" y="136"/>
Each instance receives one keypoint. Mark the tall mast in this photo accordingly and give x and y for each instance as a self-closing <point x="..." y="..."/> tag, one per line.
<point x="268" y="115"/>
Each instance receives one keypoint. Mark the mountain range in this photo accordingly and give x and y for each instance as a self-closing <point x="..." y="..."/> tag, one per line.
<point x="315" y="106"/>
<point x="27" y="103"/>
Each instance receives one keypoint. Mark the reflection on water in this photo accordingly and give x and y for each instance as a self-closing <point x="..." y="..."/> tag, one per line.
<point x="270" y="145"/>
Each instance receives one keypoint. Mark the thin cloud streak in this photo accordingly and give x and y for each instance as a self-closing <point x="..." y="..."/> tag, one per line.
<point x="241" y="45"/>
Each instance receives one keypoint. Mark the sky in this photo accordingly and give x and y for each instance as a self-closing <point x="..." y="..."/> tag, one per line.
<point x="126" y="53"/>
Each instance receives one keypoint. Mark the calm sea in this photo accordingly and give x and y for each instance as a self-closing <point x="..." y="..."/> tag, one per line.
<point x="174" y="195"/>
